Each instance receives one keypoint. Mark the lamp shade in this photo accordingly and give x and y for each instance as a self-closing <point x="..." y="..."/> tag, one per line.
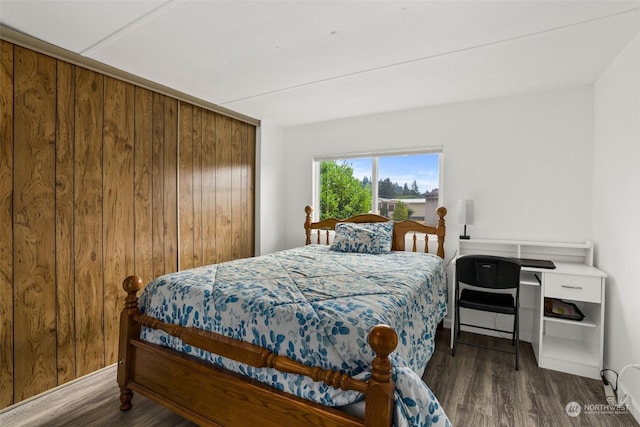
<point x="465" y="212"/>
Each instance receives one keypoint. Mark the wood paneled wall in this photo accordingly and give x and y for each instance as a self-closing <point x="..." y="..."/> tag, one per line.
<point x="100" y="179"/>
<point x="216" y="152"/>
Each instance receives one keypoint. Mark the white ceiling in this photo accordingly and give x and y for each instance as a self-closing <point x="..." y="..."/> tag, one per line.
<point x="296" y="62"/>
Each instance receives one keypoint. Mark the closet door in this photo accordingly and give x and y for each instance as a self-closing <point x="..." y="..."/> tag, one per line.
<point x="216" y="164"/>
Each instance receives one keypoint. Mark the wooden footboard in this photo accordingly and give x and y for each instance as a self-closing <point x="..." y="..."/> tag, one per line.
<point x="210" y="395"/>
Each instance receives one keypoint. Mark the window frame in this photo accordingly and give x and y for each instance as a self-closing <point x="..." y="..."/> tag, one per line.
<point x="374" y="156"/>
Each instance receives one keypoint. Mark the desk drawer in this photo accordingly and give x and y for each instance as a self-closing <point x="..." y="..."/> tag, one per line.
<point x="577" y="288"/>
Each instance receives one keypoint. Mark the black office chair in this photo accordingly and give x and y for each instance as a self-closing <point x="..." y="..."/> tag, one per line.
<point x="486" y="274"/>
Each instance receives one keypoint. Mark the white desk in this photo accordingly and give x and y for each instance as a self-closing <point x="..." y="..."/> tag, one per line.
<point x="559" y="344"/>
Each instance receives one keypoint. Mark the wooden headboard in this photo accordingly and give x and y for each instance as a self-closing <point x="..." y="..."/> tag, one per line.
<point x="400" y="229"/>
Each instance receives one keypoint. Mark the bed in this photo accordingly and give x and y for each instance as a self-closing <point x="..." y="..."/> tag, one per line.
<point x="299" y="337"/>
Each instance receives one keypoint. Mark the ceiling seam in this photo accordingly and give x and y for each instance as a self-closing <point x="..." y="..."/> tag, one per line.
<point x="438" y="55"/>
<point x="127" y="28"/>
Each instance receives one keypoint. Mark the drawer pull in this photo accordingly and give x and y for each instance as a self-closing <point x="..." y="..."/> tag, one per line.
<point x="571" y="287"/>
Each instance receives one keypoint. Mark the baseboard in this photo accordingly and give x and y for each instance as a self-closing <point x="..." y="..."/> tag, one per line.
<point x="446" y="323"/>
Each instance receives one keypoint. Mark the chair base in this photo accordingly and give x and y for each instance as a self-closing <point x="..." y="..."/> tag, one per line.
<point x="514" y="341"/>
<point x="484" y="347"/>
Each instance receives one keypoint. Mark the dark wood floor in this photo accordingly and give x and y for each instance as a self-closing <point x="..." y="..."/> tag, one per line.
<point x="481" y="387"/>
<point x="92" y="401"/>
<point x="476" y="388"/>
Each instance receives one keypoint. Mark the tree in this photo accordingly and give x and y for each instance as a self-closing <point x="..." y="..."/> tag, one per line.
<point x="341" y="194"/>
<point x="386" y="189"/>
<point x="400" y="212"/>
<point x="414" y="188"/>
<point x="397" y="190"/>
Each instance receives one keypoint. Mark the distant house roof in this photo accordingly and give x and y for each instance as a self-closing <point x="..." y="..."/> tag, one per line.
<point x="429" y="195"/>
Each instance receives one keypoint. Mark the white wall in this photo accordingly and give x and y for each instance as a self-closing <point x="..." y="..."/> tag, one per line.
<point x="525" y="160"/>
<point x="270" y="178"/>
<point x="616" y="209"/>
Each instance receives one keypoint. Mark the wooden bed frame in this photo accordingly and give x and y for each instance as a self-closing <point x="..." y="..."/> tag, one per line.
<point x="400" y="229"/>
<point x="210" y="395"/>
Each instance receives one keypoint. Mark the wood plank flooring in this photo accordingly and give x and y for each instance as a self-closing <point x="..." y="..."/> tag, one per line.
<point x="480" y="387"/>
<point x="477" y="387"/>
<point x="91" y="401"/>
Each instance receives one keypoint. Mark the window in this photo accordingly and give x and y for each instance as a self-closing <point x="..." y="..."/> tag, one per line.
<point x="396" y="185"/>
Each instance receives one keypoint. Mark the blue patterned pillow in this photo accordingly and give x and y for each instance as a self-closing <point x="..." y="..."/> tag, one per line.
<point x="365" y="238"/>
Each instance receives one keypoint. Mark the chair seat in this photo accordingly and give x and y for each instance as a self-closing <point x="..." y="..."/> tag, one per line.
<point x="487" y="301"/>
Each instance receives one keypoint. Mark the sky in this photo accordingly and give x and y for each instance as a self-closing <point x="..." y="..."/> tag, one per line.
<point x="402" y="169"/>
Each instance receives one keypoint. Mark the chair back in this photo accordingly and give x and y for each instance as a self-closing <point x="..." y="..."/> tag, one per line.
<point x="488" y="271"/>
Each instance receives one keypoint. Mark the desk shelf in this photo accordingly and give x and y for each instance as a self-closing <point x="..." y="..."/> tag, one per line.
<point x="564" y="350"/>
<point x="530" y="278"/>
<point x="586" y="322"/>
<point x="577" y="253"/>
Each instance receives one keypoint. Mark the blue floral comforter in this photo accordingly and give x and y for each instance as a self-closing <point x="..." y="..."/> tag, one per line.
<point x="315" y="306"/>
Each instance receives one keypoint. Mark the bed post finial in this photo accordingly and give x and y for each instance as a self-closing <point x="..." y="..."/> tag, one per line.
<point x="131" y="285"/>
<point x="383" y="340"/>
<point x="380" y="389"/>
<point x="307" y="224"/>
<point x="441" y="212"/>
